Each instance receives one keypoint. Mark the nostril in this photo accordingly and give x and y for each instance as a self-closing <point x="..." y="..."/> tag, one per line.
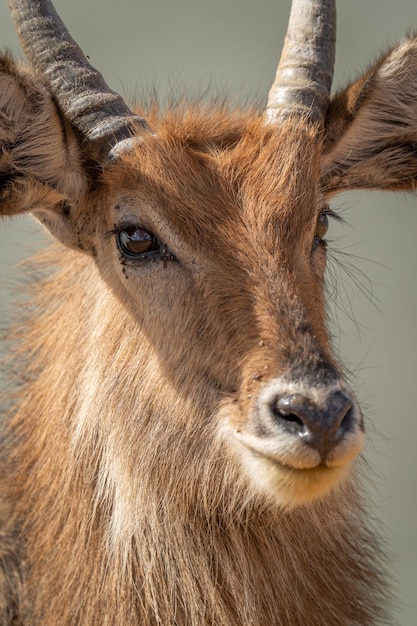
<point x="290" y="417"/>
<point x="293" y="410"/>
<point x="320" y="425"/>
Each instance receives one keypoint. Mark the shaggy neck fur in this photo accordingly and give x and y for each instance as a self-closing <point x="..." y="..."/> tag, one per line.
<point x="154" y="524"/>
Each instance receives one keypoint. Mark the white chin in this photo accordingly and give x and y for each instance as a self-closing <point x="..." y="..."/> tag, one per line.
<point x="291" y="487"/>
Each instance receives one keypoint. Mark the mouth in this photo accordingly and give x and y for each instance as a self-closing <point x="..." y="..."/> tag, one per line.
<point x="290" y="472"/>
<point x="290" y="485"/>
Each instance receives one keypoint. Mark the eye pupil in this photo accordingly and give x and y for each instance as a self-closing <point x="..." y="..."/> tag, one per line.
<point x="136" y="241"/>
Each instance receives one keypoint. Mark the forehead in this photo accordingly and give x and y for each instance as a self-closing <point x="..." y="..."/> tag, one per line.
<point x="210" y="171"/>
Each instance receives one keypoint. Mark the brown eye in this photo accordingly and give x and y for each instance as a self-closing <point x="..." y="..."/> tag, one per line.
<point x="322" y="225"/>
<point x="136" y="241"/>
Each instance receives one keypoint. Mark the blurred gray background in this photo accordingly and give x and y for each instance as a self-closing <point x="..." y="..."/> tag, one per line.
<point x="235" y="44"/>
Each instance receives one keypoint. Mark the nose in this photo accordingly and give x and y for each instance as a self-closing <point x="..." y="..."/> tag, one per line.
<point x="321" y="426"/>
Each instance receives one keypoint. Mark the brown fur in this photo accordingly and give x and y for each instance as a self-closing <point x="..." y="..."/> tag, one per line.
<point x="124" y="498"/>
<point x="128" y="516"/>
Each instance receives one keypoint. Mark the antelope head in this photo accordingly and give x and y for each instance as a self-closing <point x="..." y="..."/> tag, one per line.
<point x="209" y="229"/>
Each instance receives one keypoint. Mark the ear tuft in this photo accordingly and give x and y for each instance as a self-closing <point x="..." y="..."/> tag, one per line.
<point x="41" y="170"/>
<point x="371" y="127"/>
<point x="24" y="195"/>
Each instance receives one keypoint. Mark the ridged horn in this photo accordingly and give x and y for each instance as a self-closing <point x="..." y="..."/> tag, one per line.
<point x="304" y="76"/>
<point x="98" y="115"/>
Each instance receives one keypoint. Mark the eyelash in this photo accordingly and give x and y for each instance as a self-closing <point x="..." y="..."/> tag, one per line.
<point x="333" y="215"/>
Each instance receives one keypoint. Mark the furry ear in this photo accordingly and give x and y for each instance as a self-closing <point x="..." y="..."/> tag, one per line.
<point x="40" y="166"/>
<point x="371" y="127"/>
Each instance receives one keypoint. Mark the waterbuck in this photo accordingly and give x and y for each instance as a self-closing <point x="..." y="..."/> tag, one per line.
<point x="182" y="447"/>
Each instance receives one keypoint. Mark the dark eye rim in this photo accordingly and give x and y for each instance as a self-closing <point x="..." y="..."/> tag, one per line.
<point x="321" y="242"/>
<point x="159" y="250"/>
<point x="154" y="249"/>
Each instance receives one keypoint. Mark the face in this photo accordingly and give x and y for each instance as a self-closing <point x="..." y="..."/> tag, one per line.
<point x="213" y="232"/>
<point x="219" y="256"/>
